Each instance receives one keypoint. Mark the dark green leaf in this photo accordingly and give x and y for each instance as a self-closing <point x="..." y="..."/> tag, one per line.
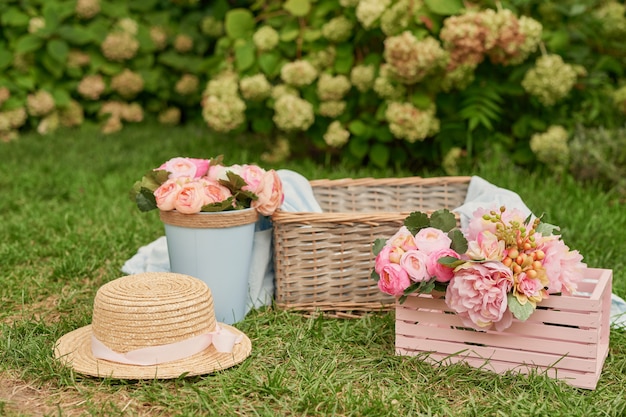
<point x="378" y="245"/>
<point x="450" y="261"/>
<point x="416" y="221"/>
<point x="76" y="35"/>
<point x="14" y="17"/>
<point x="374" y="275"/>
<point x="443" y="220"/>
<point x="520" y="311"/>
<point x="145" y="200"/>
<point x="379" y="155"/>
<point x="358" y="148"/>
<point x="459" y="243"/>
<point x="58" y="50"/>
<point x="6" y="57"/>
<point x="28" y="43"/>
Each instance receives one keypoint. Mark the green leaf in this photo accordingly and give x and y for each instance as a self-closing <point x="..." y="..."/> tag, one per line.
<point x="357" y="128"/>
<point x="28" y="43"/>
<point x="416" y="221"/>
<point x="444" y="7"/>
<point x="459" y="243"/>
<point x="289" y="32"/>
<point x="76" y="35"/>
<point x="61" y="97"/>
<point x="374" y="275"/>
<point x="14" y="17"/>
<point x="378" y="245"/>
<point x="116" y="9"/>
<point x="6" y="57"/>
<point x="52" y="66"/>
<point x="547" y="229"/>
<point x="379" y="155"/>
<point x="520" y="311"/>
<point x="58" y="50"/>
<point x="450" y="261"/>
<point x="443" y="220"/>
<point x="298" y="8"/>
<point x="145" y="200"/>
<point x="421" y="100"/>
<point x="358" y="147"/>
<point x="262" y="125"/>
<point x="424" y="287"/>
<point x="269" y="63"/>
<point x="239" y="24"/>
<point x="244" y="56"/>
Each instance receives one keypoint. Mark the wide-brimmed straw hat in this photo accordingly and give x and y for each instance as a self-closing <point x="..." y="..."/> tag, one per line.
<point x="153" y="325"/>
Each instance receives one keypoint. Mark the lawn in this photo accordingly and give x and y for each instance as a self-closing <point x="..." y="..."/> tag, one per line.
<point x="68" y="226"/>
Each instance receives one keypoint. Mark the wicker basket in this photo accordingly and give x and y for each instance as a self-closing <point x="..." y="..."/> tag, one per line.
<point x="323" y="261"/>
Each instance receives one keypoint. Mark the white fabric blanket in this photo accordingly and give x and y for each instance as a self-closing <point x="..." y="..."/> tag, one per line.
<point x="299" y="197"/>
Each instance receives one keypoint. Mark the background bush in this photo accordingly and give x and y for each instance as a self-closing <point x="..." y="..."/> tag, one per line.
<point x="399" y="83"/>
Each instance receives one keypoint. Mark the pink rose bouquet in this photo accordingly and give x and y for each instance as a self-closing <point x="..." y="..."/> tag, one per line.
<point x="501" y="267"/>
<point x="192" y="185"/>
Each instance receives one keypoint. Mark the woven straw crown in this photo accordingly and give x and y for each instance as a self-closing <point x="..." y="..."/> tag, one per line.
<point x="151" y="310"/>
<point x="144" y="310"/>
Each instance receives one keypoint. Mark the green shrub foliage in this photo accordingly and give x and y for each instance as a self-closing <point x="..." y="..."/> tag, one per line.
<point x="383" y="82"/>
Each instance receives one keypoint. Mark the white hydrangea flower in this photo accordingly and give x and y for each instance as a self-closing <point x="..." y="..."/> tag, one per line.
<point x="550" y="80"/>
<point x="551" y="147"/>
<point x="368" y="12"/>
<point x="298" y="73"/>
<point x="410" y="123"/>
<point x="332" y="87"/>
<point x="255" y="87"/>
<point x="336" y="135"/>
<point x="362" y="77"/>
<point x="332" y="108"/>
<point x="223" y="114"/>
<point x="265" y="38"/>
<point x="292" y="113"/>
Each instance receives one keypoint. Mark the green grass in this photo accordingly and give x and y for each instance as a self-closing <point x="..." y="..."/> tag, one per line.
<point x="68" y="226"/>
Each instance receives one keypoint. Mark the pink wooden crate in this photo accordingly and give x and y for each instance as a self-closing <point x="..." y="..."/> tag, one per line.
<point x="567" y="337"/>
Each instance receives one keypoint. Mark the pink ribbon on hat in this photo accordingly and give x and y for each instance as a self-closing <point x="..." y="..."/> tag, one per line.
<point x="223" y="340"/>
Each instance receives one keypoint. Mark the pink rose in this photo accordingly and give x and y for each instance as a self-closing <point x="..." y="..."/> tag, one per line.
<point x="202" y="166"/>
<point x="218" y="172"/>
<point x="564" y="268"/>
<point x="414" y="263"/>
<point x="270" y="194"/>
<point x="441" y="272"/>
<point x="430" y="239"/>
<point x="382" y="259"/>
<point x="393" y="280"/>
<point x="214" y="192"/>
<point x="190" y="198"/>
<point x="487" y="246"/>
<point x="252" y="175"/>
<point x="185" y="167"/>
<point x="167" y="194"/>
<point x="529" y="287"/>
<point x="478" y="294"/>
<point x="403" y="239"/>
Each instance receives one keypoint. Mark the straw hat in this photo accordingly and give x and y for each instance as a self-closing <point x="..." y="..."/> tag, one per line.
<point x="152" y="318"/>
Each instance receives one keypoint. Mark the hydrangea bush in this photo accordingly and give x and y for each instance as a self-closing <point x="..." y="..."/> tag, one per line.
<point x="381" y="82"/>
<point x="412" y="82"/>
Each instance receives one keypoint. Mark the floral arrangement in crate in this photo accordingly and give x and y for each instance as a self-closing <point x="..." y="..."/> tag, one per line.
<point x="193" y="185"/>
<point x="501" y="266"/>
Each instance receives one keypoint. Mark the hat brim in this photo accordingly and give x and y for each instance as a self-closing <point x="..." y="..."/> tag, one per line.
<point x="74" y="350"/>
